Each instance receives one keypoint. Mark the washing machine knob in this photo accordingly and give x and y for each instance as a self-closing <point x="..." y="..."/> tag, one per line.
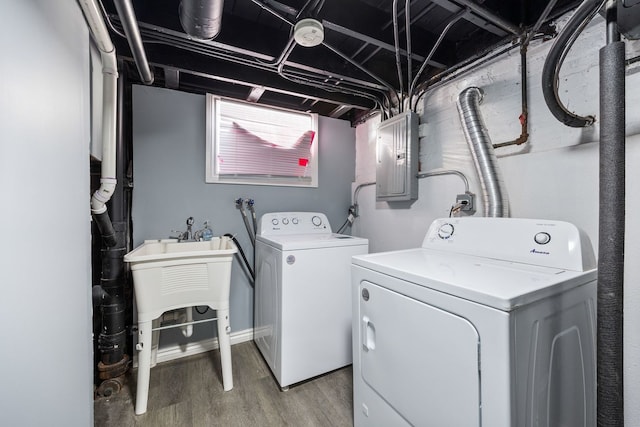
<point x="285" y="221"/>
<point x="445" y="231"/>
<point x="316" y="220"/>
<point x="274" y="221"/>
<point x="294" y="221"/>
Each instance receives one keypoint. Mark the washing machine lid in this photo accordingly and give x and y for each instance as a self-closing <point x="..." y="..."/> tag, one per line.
<point x="288" y="242"/>
<point x="503" y="285"/>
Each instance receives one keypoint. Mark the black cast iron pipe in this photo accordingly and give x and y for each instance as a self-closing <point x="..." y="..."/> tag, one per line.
<point x="110" y="294"/>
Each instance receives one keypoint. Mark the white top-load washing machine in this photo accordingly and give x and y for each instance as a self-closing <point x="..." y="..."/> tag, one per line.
<point x="302" y="316"/>
<point x="490" y="323"/>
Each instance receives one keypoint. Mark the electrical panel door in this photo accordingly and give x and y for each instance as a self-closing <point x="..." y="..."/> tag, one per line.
<point x="397" y="158"/>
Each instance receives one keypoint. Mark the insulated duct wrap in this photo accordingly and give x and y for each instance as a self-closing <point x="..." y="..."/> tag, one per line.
<point x="611" y="232"/>
<point x="201" y="19"/>
<point x="494" y="193"/>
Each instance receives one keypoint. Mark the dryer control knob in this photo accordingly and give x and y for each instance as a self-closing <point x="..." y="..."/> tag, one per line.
<point x="542" y="238"/>
<point x="316" y="220"/>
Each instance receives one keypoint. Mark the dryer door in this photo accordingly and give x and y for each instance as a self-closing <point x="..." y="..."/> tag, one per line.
<point x="421" y="360"/>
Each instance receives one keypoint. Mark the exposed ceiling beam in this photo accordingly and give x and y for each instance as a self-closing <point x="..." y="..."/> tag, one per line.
<point x="237" y="55"/>
<point x="377" y="43"/>
<point x="337" y="99"/>
<point x="490" y="17"/>
<point x="474" y="19"/>
<point x="339" y="111"/>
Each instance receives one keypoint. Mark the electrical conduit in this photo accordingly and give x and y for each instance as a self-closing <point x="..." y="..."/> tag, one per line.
<point x="552" y="64"/>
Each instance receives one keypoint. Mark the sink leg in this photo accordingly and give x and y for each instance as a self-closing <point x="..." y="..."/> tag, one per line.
<point x="224" y="341"/>
<point x="144" y="365"/>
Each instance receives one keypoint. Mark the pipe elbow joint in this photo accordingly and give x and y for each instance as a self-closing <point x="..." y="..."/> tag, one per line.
<point x="109" y="63"/>
<point x="470" y="93"/>
<point x="102" y="195"/>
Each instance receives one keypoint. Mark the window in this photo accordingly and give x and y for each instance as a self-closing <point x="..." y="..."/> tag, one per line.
<point x="251" y="144"/>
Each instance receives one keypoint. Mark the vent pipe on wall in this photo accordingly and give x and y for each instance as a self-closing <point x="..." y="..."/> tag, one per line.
<point x="112" y="338"/>
<point x="100" y="198"/>
<point x="201" y="19"/>
<point x="493" y="190"/>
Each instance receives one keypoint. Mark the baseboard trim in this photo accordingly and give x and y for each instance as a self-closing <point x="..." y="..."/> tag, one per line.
<point x="177" y="351"/>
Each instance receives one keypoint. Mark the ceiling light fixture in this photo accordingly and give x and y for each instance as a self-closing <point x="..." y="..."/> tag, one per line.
<point x="308" y="32"/>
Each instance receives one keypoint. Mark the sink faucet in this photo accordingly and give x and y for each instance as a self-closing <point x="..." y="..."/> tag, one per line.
<point x="185" y="236"/>
<point x="189" y="225"/>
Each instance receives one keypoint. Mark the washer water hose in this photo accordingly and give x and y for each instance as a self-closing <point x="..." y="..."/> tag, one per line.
<point x="244" y="257"/>
<point x="245" y="219"/>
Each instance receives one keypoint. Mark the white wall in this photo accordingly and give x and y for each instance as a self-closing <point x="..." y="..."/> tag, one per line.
<point x="553" y="176"/>
<point x="45" y="316"/>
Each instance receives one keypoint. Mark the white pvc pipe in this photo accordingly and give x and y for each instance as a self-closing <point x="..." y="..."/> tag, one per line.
<point x="102" y="39"/>
<point x="187" y="330"/>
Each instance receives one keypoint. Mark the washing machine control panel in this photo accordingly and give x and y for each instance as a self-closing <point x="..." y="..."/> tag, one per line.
<point x="280" y="223"/>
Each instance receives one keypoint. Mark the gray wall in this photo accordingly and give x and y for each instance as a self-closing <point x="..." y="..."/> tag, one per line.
<point x="45" y="271"/>
<point x="169" y="184"/>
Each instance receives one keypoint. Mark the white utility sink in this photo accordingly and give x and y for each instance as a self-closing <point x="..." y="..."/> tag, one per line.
<point x="164" y="249"/>
<point x="169" y="275"/>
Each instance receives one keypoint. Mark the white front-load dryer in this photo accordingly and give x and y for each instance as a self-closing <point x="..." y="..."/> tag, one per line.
<point x="490" y="323"/>
<point x="302" y="314"/>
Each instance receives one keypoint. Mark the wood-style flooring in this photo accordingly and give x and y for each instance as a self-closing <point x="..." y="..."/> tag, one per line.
<point x="188" y="392"/>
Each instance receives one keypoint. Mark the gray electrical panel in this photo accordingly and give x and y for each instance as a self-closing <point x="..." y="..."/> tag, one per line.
<point x="397" y="158"/>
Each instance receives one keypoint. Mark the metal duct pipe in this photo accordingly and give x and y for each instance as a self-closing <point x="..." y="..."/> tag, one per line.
<point x="611" y="231"/>
<point x="201" y="19"/>
<point x="130" y="24"/>
<point x="493" y="190"/>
